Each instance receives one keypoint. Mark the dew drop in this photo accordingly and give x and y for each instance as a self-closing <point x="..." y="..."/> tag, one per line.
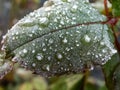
<point x="74" y="8"/>
<point x="49" y="58"/>
<point x="100" y="55"/>
<point x="30" y="35"/>
<point x="60" y="25"/>
<point x="55" y="20"/>
<point x="44" y="49"/>
<point x="27" y="21"/>
<point x="88" y="53"/>
<point x="33" y="31"/>
<point x="69" y="0"/>
<point x="39" y="56"/>
<point x="103" y="50"/>
<point x="50" y="41"/>
<point x="59" y="56"/>
<point x="67" y="33"/>
<point x="13" y="34"/>
<point x="16" y="37"/>
<point x="87" y="38"/>
<point x="33" y="44"/>
<point x="61" y="22"/>
<point x="58" y="63"/>
<point x="74" y="18"/>
<point x="46" y="67"/>
<point x="44" y="20"/>
<point x="25" y="64"/>
<point x="70" y="64"/>
<point x="24" y="51"/>
<point x="65" y="40"/>
<point x="61" y="68"/>
<point x="76" y="41"/>
<point x="71" y="47"/>
<point x="33" y="51"/>
<point x="47" y="8"/>
<point x="13" y="38"/>
<point x="40" y="28"/>
<point x="4" y="37"/>
<point x="91" y="68"/>
<point x="17" y="33"/>
<point x="102" y="43"/>
<point x="96" y="56"/>
<point x="33" y="64"/>
<point x="114" y="51"/>
<point x="77" y="45"/>
<point x="50" y="47"/>
<point x="43" y="44"/>
<point x="67" y="49"/>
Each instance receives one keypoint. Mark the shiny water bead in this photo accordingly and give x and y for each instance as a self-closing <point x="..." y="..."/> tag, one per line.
<point x="24" y="51"/>
<point x="50" y="41"/>
<point x="65" y="40"/>
<point x="87" y="38"/>
<point x="59" y="56"/>
<point x="33" y="64"/>
<point x="39" y="56"/>
<point x="44" y="20"/>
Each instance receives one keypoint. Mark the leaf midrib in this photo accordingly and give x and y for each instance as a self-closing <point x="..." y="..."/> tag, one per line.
<point x="56" y="30"/>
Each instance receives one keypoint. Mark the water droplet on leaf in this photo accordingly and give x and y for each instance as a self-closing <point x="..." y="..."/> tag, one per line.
<point x="59" y="56"/>
<point x="44" y="20"/>
<point x="24" y="51"/>
<point x="50" y="41"/>
<point x="39" y="56"/>
<point x="33" y="64"/>
<point x="87" y="38"/>
<point x="65" y="40"/>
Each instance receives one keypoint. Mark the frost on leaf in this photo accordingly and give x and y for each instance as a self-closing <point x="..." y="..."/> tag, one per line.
<point x="64" y="36"/>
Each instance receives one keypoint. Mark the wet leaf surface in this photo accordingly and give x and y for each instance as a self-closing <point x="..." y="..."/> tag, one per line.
<point x="65" y="37"/>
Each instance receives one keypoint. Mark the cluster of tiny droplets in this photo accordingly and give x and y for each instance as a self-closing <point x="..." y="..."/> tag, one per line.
<point x="53" y="47"/>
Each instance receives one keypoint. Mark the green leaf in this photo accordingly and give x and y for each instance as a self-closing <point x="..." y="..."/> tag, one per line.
<point x="26" y="86"/>
<point x="111" y="73"/>
<point x="64" y="36"/>
<point x="117" y="78"/>
<point x="115" y="7"/>
<point x="39" y="83"/>
<point x="70" y="82"/>
<point x="95" y="84"/>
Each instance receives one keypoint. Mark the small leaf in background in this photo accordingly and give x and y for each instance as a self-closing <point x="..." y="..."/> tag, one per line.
<point x="26" y="86"/>
<point x="37" y="83"/>
<point x="95" y="84"/>
<point x="116" y="77"/>
<point x="110" y="72"/>
<point x="117" y="32"/>
<point x="67" y="83"/>
<point x="115" y="7"/>
<point x="1" y="88"/>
